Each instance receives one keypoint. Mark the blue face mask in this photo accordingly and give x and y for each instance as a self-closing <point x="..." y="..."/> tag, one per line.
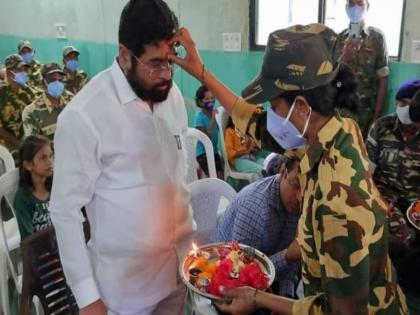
<point x="284" y="132"/>
<point x="356" y="13"/>
<point x="28" y="57"/>
<point x="21" y="78"/>
<point x="72" y="64"/>
<point x="209" y="105"/>
<point x="55" y="89"/>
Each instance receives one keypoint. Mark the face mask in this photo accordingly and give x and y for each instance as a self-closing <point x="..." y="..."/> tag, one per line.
<point x="28" y="57"/>
<point x="404" y="115"/>
<point x="20" y="78"/>
<point x="209" y="105"/>
<point x="55" y="88"/>
<point x="356" y="13"/>
<point x="72" y="65"/>
<point x="284" y="132"/>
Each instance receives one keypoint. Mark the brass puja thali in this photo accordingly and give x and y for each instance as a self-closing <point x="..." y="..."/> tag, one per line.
<point x="413" y="214"/>
<point x="208" y="268"/>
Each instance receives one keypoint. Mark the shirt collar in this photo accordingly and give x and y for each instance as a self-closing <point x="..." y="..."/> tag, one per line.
<point x="320" y="144"/>
<point x="124" y="91"/>
<point x="49" y="104"/>
<point x="274" y="195"/>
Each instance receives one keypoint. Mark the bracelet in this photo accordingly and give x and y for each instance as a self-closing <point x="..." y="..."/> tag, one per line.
<point x="254" y="300"/>
<point x="202" y="74"/>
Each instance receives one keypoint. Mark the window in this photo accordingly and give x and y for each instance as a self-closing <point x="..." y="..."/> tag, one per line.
<point x="269" y="15"/>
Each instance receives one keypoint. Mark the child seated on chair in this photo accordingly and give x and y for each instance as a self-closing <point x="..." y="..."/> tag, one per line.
<point x="242" y="153"/>
<point x="35" y="180"/>
<point x="206" y="122"/>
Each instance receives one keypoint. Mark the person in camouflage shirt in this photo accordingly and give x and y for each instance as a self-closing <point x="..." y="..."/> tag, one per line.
<point x="40" y="117"/>
<point x="342" y="232"/>
<point x="75" y="78"/>
<point x="26" y="50"/>
<point x="393" y="146"/>
<point x="15" y="95"/>
<point x="367" y="56"/>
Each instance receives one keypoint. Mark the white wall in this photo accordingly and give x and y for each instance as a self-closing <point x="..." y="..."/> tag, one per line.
<point x="411" y="28"/>
<point x="97" y="20"/>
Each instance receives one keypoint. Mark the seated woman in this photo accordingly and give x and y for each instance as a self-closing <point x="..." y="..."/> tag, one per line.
<point x="242" y="152"/>
<point x="35" y="180"/>
<point x="206" y="122"/>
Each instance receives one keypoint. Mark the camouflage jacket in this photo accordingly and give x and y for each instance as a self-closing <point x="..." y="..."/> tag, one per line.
<point x="75" y="81"/>
<point x="34" y="76"/>
<point x="40" y="117"/>
<point x="396" y="161"/>
<point x="12" y="105"/>
<point x="343" y="231"/>
<point x="369" y="63"/>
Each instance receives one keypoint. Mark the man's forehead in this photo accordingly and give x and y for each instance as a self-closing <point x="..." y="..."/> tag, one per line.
<point x="160" y="50"/>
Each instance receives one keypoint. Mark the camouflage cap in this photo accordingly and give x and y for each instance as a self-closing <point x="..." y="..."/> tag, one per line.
<point x="69" y="49"/>
<point x="14" y="61"/>
<point x="300" y="57"/>
<point x="25" y="44"/>
<point x="50" y="68"/>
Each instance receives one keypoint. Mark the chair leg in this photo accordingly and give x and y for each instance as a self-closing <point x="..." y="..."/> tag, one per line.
<point x="4" y="286"/>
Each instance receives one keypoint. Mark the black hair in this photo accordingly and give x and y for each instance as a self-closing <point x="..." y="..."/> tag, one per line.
<point x="340" y="93"/>
<point x="29" y="147"/>
<point x="200" y="94"/>
<point x="414" y="110"/>
<point x="146" y="22"/>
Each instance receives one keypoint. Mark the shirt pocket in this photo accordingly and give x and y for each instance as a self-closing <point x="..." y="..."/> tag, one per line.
<point x="334" y="252"/>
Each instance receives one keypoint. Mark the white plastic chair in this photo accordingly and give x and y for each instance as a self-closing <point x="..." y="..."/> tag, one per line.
<point x="222" y="119"/>
<point x="193" y="136"/>
<point x="9" y="239"/>
<point x="6" y="159"/>
<point x="209" y="199"/>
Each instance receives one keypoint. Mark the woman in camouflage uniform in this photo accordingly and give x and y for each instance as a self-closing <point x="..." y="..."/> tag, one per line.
<point x="342" y="232"/>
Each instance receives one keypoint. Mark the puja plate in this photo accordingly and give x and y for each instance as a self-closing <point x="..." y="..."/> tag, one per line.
<point x="261" y="259"/>
<point x="413" y="215"/>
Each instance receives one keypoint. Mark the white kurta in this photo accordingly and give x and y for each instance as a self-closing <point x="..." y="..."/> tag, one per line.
<point x="116" y="157"/>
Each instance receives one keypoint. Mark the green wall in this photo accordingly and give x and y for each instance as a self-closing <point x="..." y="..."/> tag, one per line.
<point x="235" y="69"/>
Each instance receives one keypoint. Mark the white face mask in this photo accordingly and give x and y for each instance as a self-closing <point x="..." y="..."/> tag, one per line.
<point x="356" y="13"/>
<point x="404" y="115"/>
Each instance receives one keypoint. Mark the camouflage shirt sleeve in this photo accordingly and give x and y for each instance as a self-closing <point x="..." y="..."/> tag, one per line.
<point x="372" y="146"/>
<point x="381" y="66"/>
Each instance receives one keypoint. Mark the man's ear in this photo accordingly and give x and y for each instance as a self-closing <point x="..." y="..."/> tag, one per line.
<point x="302" y="106"/>
<point x="283" y="170"/>
<point x="124" y="58"/>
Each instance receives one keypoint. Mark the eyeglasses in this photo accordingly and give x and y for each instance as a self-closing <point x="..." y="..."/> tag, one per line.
<point x="157" y="69"/>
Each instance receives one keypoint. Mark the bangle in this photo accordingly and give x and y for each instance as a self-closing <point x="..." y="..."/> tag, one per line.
<point x="202" y="73"/>
<point x="254" y="300"/>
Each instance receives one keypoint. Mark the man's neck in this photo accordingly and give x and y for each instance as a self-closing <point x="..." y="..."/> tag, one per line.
<point x="55" y="101"/>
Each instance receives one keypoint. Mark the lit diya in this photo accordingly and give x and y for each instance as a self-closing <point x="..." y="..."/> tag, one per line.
<point x="413" y="214"/>
<point x="208" y="268"/>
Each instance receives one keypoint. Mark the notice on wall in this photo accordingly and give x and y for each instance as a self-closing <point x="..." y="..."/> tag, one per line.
<point x="415" y="51"/>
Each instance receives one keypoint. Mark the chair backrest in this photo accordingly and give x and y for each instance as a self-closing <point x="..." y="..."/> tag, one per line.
<point x="8" y="187"/>
<point x="7" y="161"/>
<point x="222" y="119"/>
<point x="209" y="198"/>
<point x="193" y="136"/>
<point x="43" y="276"/>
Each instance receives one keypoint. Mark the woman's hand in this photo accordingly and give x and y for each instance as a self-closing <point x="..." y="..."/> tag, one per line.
<point x="192" y="61"/>
<point x="243" y="301"/>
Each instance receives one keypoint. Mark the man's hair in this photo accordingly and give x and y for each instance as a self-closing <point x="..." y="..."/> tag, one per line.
<point x="146" y="22"/>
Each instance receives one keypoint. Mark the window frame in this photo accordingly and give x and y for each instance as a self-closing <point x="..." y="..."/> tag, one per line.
<point x="253" y="28"/>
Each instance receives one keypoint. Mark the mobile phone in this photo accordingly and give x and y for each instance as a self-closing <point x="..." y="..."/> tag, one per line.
<point x="354" y="31"/>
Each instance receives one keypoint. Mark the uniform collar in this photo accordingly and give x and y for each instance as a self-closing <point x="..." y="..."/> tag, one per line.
<point x="49" y="105"/>
<point x="320" y="144"/>
<point x="124" y="91"/>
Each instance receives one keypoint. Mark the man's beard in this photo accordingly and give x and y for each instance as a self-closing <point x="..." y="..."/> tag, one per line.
<point x="153" y="94"/>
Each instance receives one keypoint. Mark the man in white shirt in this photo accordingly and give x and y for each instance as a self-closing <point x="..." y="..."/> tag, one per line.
<point x="119" y="152"/>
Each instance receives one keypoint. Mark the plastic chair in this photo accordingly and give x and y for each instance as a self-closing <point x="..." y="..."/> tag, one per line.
<point x="193" y="136"/>
<point x="222" y="120"/>
<point x="209" y="199"/>
<point x="43" y="276"/>
<point x="7" y="161"/>
<point x="9" y="238"/>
